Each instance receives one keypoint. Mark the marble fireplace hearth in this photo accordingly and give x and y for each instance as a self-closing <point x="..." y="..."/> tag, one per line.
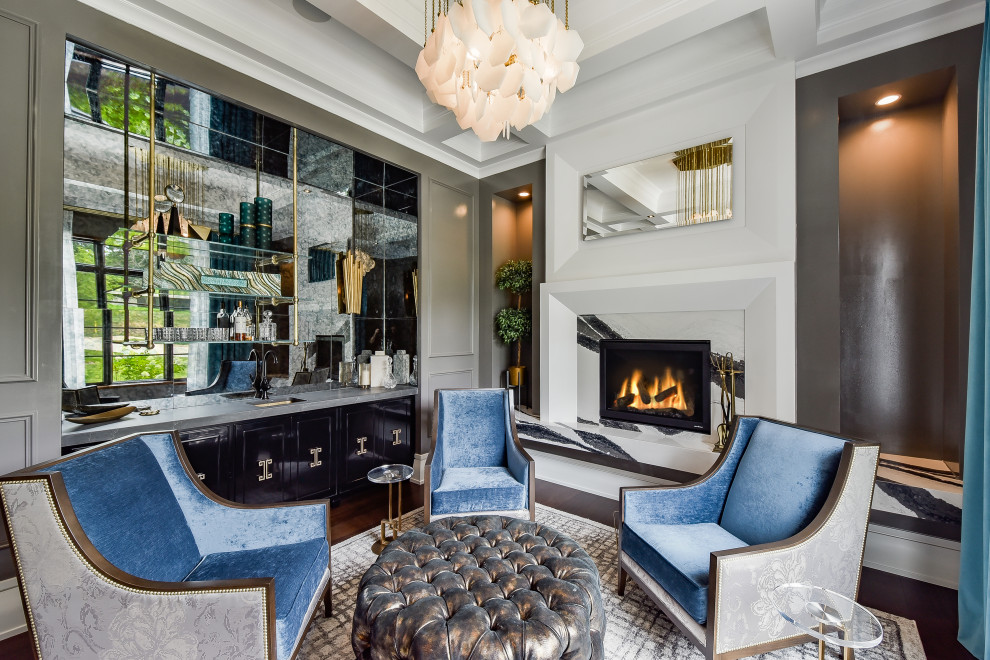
<point x="657" y="451"/>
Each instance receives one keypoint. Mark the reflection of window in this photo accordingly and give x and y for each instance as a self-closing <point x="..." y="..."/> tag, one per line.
<point x="94" y="84"/>
<point x="184" y="117"/>
<point x="101" y="277"/>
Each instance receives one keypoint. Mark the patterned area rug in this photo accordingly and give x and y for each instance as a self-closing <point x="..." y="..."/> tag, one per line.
<point x="635" y="629"/>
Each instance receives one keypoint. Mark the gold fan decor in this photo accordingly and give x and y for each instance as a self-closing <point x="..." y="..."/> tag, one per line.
<point x="354" y="266"/>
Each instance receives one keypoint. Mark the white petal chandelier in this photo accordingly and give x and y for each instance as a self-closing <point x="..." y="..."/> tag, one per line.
<point x="498" y="63"/>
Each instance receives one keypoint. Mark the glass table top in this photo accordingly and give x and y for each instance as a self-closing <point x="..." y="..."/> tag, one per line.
<point x="828" y="616"/>
<point x="390" y="474"/>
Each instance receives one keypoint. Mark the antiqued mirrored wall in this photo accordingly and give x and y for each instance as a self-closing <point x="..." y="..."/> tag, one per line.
<point x="220" y="167"/>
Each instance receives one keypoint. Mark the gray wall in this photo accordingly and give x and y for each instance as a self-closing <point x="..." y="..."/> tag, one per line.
<point x="893" y="262"/>
<point x="490" y="348"/>
<point x="819" y="365"/>
<point x="48" y="22"/>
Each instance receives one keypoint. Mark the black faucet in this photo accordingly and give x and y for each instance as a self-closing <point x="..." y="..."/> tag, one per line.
<point x="256" y="383"/>
<point x="265" y="384"/>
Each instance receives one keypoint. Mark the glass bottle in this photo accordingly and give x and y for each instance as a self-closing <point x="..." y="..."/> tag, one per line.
<point x="223" y="323"/>
<point x="266" y="329"/>
<point x="239" y="320"/>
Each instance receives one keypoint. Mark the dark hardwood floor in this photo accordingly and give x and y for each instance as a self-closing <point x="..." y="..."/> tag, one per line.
<point x="932" y="607"/>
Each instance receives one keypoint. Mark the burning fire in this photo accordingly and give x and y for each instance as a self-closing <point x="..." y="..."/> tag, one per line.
<point x="661" y="394"/>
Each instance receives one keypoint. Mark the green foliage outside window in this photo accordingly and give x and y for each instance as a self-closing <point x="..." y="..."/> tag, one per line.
<point x="128" y="363"/>
<point x="131" y="364"/>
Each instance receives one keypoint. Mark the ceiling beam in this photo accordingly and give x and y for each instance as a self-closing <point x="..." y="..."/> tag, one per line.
<point x="793" y="27"/>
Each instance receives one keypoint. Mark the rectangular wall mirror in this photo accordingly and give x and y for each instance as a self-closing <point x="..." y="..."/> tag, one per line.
<point x="689" y="186"/>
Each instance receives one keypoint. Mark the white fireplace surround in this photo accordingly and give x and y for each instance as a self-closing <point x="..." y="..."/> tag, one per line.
<point x="763" y="292"/>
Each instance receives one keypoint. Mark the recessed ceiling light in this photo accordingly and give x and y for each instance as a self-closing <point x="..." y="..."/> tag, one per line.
<point x="524" y="194"/>
<point x="890" y="98"/>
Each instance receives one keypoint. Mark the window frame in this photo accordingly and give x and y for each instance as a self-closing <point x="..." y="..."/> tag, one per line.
<point x="101" y="270"/>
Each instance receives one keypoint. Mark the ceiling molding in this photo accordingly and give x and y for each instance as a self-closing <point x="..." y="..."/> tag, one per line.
<point x="913" y="33"/>
<point x="843" y="18"/>
<point x="732" y="50"/>
<point x="638" y="54"/>
<point x="238" y="61"/>
<point x="504" y="165"/>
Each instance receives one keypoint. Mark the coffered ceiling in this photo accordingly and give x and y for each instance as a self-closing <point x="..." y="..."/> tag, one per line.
<point x="355" y="58"/>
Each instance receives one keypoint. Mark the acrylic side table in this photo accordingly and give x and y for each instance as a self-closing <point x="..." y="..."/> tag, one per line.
<point x="828" y="617"/>
<point x="390" y="474"/>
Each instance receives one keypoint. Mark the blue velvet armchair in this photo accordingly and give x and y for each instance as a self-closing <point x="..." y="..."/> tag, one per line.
<point x="782" y="504"/>
<point x="477" y="464"/>
<point x="122" y="553"/>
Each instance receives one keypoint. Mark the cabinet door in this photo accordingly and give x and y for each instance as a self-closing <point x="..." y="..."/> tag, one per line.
<point x="261" y="473"/>
<point x="311" y="455"/>
<point x="397" y="430"/>
<point x="360" y="445"/>
<point x="207" y="450"/>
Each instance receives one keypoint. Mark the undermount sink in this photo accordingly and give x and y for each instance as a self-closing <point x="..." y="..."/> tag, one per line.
<point x="277" y="401"/>
<point x="239" y="395"/>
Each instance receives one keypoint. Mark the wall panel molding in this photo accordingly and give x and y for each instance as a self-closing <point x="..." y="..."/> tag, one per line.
<point x="453" y="272"/>
<point x="19" y="190"/>
<point x="17" y="441"/>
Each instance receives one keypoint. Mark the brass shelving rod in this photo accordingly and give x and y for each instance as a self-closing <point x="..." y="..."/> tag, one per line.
<point x="295" y="236"/>
<point x="151" y="216"/>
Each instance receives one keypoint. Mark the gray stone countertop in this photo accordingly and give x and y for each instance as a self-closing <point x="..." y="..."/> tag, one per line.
<point x="236" y="410"/>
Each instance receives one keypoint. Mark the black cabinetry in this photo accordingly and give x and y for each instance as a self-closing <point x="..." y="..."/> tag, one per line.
<point x="208" y="450"/>
<point x="361" y="447"/>
<point x="325" y="453"/>
<point x="374" y="434"/>
<point x="311" y="454"/>
<point x="261" y="473"/>
<point x="397" y="427"/>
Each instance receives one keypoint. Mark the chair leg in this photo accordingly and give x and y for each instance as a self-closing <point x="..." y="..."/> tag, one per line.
<point x="622" y="582"/>
<point x="327" y="602"/>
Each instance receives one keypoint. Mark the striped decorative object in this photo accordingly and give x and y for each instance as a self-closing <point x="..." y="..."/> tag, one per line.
<point x="186" y="277"/>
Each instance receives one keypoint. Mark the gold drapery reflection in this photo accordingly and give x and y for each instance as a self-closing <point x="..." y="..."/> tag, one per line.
<point x="704" y="182"/>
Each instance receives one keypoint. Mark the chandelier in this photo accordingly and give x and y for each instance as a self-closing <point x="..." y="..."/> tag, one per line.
<point x="497" y="63"/>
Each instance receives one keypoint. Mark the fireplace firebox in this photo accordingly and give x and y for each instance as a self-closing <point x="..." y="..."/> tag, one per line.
<point x="662" y="383"/>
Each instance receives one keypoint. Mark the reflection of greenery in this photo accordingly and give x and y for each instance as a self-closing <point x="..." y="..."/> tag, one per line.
<point x="111" y="95"/>
<point x="112" y="107"/>
<point x="77" y="97"/>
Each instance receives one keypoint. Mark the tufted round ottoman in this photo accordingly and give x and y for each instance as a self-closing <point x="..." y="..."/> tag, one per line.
<point x="480" y="587"/>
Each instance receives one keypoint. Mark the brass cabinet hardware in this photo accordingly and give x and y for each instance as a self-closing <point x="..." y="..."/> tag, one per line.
<point x="202" y="477"/>
<point x="315" y="451"/>
<point x="396" y="436"/>
<point x="362" y="449"/>
<point x="265" y="473"/>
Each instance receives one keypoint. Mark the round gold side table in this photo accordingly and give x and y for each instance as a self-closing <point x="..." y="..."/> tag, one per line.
<point x="390" y="474"/>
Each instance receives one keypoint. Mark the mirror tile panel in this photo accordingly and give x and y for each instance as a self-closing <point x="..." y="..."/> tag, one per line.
<point x="689" y="186"/>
